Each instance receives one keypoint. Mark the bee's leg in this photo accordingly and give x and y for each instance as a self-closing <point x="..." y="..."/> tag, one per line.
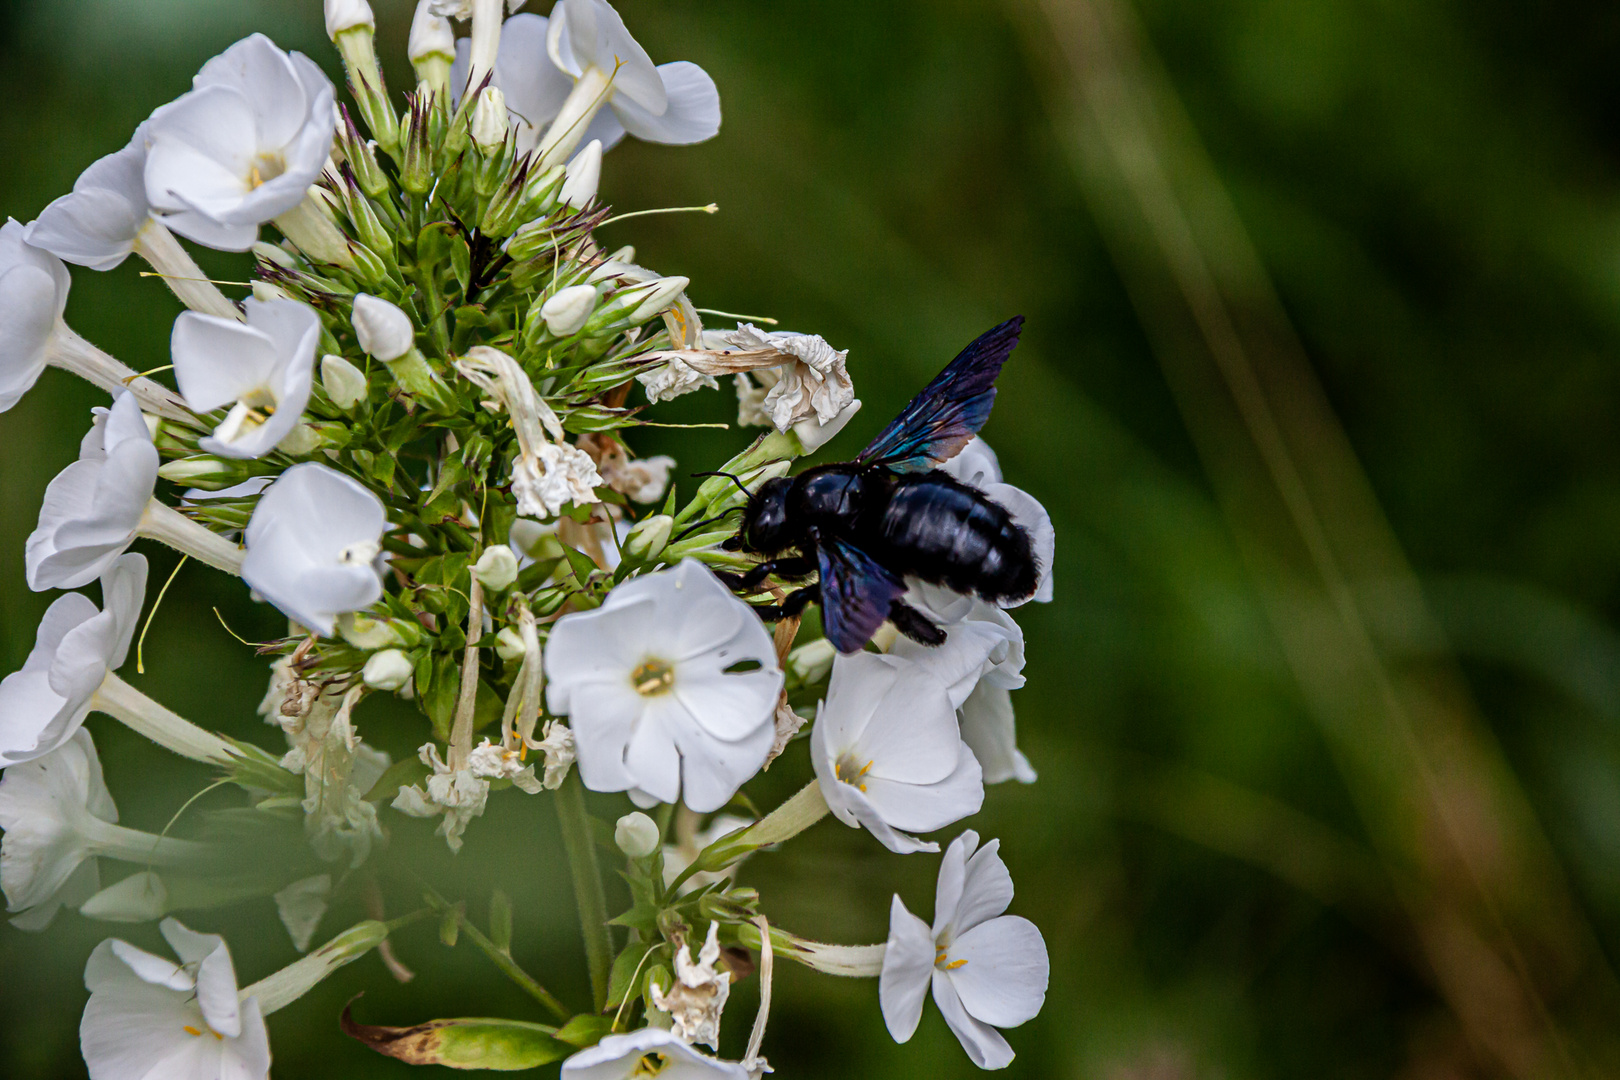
<point x="914" y="624"/>
<point x="792" y="566"/>
<point x="796" y="602"/>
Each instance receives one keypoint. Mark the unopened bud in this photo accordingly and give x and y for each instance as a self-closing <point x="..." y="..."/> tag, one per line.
<point x="273" y="254"/>
<point x="660" y="295"/>
<point x="344" y="15"/>
<point x="431" y="35"/>
<point x="387" y="670"/>
<point x="301" y="440"/>
<point x="583" y="175"/>
<point x="299" y="978"/>
<point x="264" y="292"/>
<point x="568" y="311"/>
<point x="385" y="331"/>
<point x="364" y="632"/>
<point x="138" y="898"/>
<point x="637" y="835"/>
<point x="811" y="662"/>
<point x="490" y="122"/>
<point x="649" y="537"/>
<point x="345" y="384"/>
<point x="509" y="644"/>
<point x="203" y="470"/>
<point x="496" y="568"/>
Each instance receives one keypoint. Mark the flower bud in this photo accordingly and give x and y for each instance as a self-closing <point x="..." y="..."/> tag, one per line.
<point x="496" y="568"/>
<point x="385" y="331"/>
<point x="301" y="440"/>
<point x="509" y="644"/>
<point x="203" y="470"/>
<point x="344" y="15"/>
<point x="364" y="632"/>
<point x="583" y="175"/>
<point x="660" y="295"/>
<point x="274" y="254"/>
<point x="387" y="670"/>
<point x="264" y="292"/>
<point x="345" y="384"/>
<point x="489" y="121"/>
<point x="138" y="898"/>
<point x="300" y="977"/>
<point x="637" y="835"/>
<point x="649" y="537"/>
<point x="811" y="662"/>
<point x="431" y="35"/>
<point x="566" y="312"/>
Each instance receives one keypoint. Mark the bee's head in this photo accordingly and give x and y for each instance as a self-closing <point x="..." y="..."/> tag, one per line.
<point x="765" y="525"/>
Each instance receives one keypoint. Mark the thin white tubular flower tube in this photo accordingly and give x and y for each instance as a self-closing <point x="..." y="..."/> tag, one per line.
<point x="169" y="526"/>
<point x="277" y="991"/>
<point x="487" y="16"/>
<point x="70" y="352"/>
<point x="180" y="272"/>
<point x="141" y="714"/>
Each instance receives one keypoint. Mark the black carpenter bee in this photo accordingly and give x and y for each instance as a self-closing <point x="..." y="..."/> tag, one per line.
<point x="864" y="525"/>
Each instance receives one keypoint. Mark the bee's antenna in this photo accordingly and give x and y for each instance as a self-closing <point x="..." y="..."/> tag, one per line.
<point x="742" y="487"/>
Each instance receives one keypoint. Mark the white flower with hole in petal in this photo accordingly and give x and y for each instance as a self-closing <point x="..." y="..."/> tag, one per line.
<point x="58" y="816"/>
<point x="313" y="546"/>
<point x="149" y="1017"/>
<point x="33" y="294"/>
<point x="95" y="226"/>
<point x="648" y="682"/>
<point x="976" y="465"/>
<point x="458" y="794"/>
<point x="888" y="754"/>
<point x="42" y="705"/>
<point x="94" y="507"/>
<point x="263" y="369"/>
<point x="645" y="1053"/>
<point x="987" y="970"/>
<point x="37" y="881"/>
<point x="243" y="147"/>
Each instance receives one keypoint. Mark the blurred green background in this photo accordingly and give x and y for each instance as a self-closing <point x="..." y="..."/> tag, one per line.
<point x="1319" y="385"/>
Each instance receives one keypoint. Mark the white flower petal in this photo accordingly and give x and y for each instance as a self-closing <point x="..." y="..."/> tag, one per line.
<point x="1005" y="977"/>
<point x="693" y="113"/>
<point x="989" y="729"/>
<point x="985" y="1045"/>
<point x="908" y="964"/>
<point x="973" y="886"/>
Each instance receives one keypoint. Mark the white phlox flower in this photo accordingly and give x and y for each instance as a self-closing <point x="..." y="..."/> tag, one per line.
<point x="976" y="465"/>
<point x="673" y="378"/>
<point x="649" y="685"/>
<point x="457" y="794"/>
<point x="698" y="997"/>
<point x="314" y="544"/>
<point x="987" y="970"/>
<point x="263" y="369"/>
<point x="243" y="147"/>
<point x="813" y="434"/>
<point x="33" y="295"/>
<point x="42" y="705"/>
<point x="301" y="906"/>
<point x="888" y="754"/>
<point x="140" y="897"/>
<point x="58" y="817"/>
<point x="94" y="508"/>
<point x="558" y="73"/>
<point x="37" y="876"/>
<point x="647" y="1053"/>
<point x="149" y="1017"/>
<point x="546" y="476"/>
<point x="96" y="225"/>
<point x="642" y="480"/>
<point x="679" y="855"/>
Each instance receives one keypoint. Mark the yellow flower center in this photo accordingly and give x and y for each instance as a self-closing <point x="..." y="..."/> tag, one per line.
<point x="650" y="1065"/>
<point x="851" y="773"/>
<point x="652" y="677"/>
<point x="196" y="1033"/>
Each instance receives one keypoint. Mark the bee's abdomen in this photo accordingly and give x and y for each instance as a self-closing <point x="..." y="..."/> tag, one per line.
<point x="950" y="534"/>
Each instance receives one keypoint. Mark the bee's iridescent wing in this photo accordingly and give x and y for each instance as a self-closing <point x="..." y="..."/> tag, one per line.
<point x="950" y="410"/>
<point x="855" y="593"/>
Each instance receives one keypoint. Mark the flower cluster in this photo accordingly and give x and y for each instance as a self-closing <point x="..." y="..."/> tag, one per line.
<point x="414" y="441"/>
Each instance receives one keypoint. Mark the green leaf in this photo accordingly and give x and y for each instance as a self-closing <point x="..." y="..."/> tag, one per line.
<point x="500" y="921"/>
<point x="581" y="563"/>
<point x="461" y="262"/>
<point x="439" y="702"/>
<point x="471" y="1043"/>
<point x="627" y="969"/>
<point x="399" y="774"/>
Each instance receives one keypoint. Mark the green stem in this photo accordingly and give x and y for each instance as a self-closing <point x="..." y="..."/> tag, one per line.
<point x="501" y="958"/>
<point x="588" y="892"/>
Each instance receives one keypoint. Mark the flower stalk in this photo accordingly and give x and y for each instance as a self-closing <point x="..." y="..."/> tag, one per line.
<point x="790" y="819"/>
<point x="588" y="892"/>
